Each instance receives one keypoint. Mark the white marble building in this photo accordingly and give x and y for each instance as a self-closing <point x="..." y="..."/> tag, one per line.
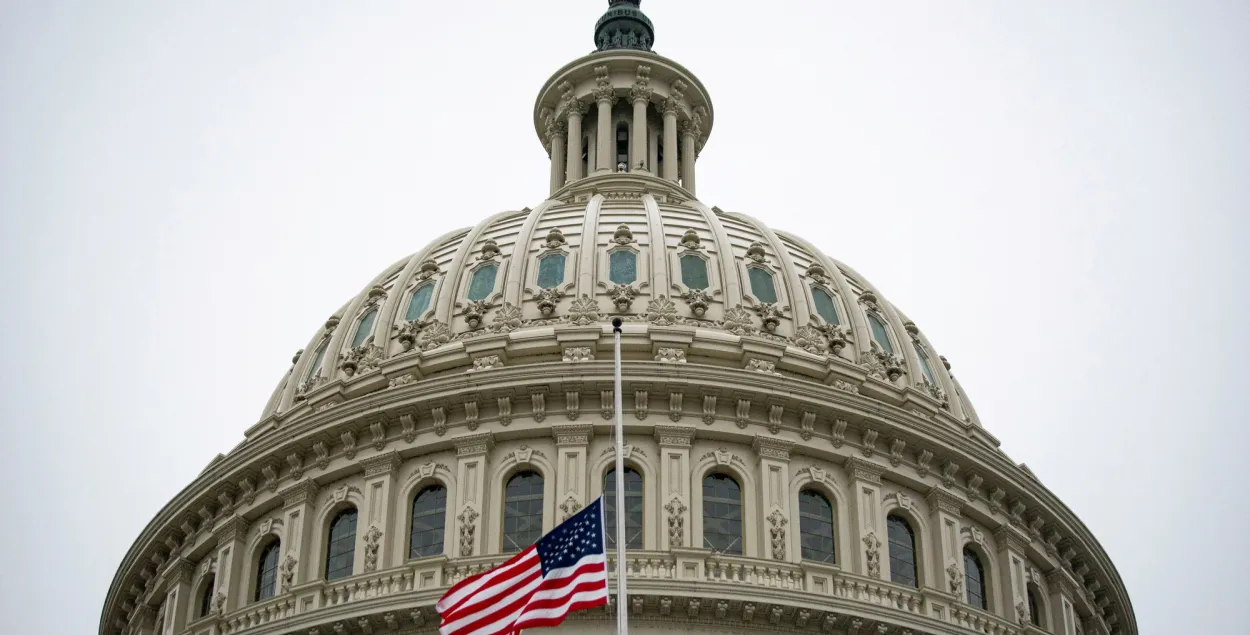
<point x="800" y="458"/>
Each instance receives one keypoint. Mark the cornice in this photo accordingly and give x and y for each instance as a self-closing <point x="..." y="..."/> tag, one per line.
<point x="298" y="493"/>
<point x="381" y="464"/>
<point x="474" y="444"/>
<point x="940" y="499"/>
<point x="232" y="528"/>
<point x="772" y="447"/>
<point x="675" y="436"/>
<point x="578" y="434"/>
<point x="863" y="470"/>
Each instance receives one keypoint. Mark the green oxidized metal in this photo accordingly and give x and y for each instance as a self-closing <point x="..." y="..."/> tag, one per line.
<point x="624" y="26"/>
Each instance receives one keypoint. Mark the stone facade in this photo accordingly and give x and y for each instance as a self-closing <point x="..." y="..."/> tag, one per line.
<point x="734" y="364"/>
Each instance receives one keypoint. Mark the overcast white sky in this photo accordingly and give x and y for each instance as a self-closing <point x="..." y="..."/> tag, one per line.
<point x="1055" y="191"/>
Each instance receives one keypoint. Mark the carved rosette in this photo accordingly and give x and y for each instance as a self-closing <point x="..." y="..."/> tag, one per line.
<point x="362" y="359"/>
<point x="584" y="311"/>
<point x="770" y="315"/>
<point x="661" y="311"/>
<point x="810" y="339"/>
<point x="622" y="296"/>
<point x="433" y="335"/>
<point x="474" y="312"/>
<point x="698" y="301"/>
<point x="547" y="300"/>
<point x="738" y="321"/>
<point x="507" y="318"/>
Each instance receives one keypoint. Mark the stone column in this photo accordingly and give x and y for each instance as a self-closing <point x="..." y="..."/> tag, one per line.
<point x="605" y="96"/>
<point x="638" y="132"/>
<point x="177" y="597"/>
<point x="573" y="164"/>
<point x="689" y="133"/>
<point x="675" y="442"/>
<point x="297" y="508"/>
<point x="379" y="494"/>
<point x="868" y="535"/>
<point x="556" y="134"/>
<point x="1063" y="617"/>
<point x="231" y="577"/>
<point x="670" y="109"/>
<point x="572" y="480"/>
<point x="1011" y="543"/>
<point x="471" y="492"/>
<point x="774" y="491"/>
<point x="946" y="522"/>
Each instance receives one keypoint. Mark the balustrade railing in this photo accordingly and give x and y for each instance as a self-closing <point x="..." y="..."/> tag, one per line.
<point x="371" y="585"/>
<point x="270" y="610"/>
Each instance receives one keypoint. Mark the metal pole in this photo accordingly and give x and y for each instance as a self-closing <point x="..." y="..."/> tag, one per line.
<point x="622" y="608"/>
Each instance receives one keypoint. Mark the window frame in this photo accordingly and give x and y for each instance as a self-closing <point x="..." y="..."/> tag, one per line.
<point x="638" y="265"/>
<point x="271" y="546"/>
<point x="540" y="497"/>
<point x="471" y="273"/>
<point x="609" y="536"/>
<point x="432" y="285"/>
<point x="838" y="309"/>
<point x="441" y="527"/>
<point x="971" y="556"/>
<point x="915" y="550"/>
<point x="331" y="540"/>
<point x="370" y="312"/>
<point x="832" y="522"/>
<point x="869" y="316"/>
<point x="740" y="543"/>
<point x="772" y="277"/>
<point x="564" y="268"/>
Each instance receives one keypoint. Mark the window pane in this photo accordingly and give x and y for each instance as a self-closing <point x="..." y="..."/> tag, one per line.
<point x="483" y="282"/>
<point x="633" y="508"/>
<point x="267" y="571"/>
<point x="825" y="307"/>
<point x="341" y="552"/>
<point x="762" y="284"/>
<point x="879" y="333"/>
<point x="924" y="364"/>
<point x="206" y="598"/>
<point x="974" y="579"/>
<point x="694" y="272"/>
<point x="319" y="356"/>
<point x="364" y="328"/>
<point x="622" y="267"/>
<point x="816" y="527"/>
<point x="722" y="514"/>
<point x="420" y="302"/>
<point x="1035" y="616"/>
<point x="429" y="513"/>
<point x="902" y="551"/>
<point x="551" y="271"/>
<point x="522" y="511"/>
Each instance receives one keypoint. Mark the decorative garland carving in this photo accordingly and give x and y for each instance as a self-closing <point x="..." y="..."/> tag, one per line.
<point x="468" y="528"/>
<point x="777" y="532"/>
<point x="872" y="549"/>
<point x="676" y="522"/>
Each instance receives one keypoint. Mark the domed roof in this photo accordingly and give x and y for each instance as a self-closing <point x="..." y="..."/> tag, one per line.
<point x="624" y="26"/>
<point x="518" y="287"/>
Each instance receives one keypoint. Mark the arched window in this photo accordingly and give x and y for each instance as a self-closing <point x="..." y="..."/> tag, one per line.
<point x="483" y="282"/>
<point x="816" y="527"/>
<point x="364" y="327"/>
<point x="633" y="509"/>
<point x="267" y="571"/>
<point x="902" y="551"/>
<point x="551" y="271"/>
<point x="694" y="272"/>
<point x="762" y="284"/>
<point x="429" y="516"/>
<point x="206" y="596"/>
<point x="315" y="367"/>
<point x="722" y="514"/>
<point x="341" y="551"/>
<point x="1035" y="613"/>
<point x="825" y="307"/>
<point x="924" y="364"/>
<point x="622" y="145"/>
<point x="623" y="267"/>
<point x="974" y="580"/>
<point x="879" y="333"/>
<point x="522" y="511"/>
<point x="420" y="302"/>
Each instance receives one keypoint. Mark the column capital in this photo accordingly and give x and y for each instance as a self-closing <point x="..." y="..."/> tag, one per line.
<point x="1008" y="537"/>
<point x="298" y="493"/>
<point x="675" y="436"/>
<point x="942" y="500"/>
<point x="381" y="464"/>
<point x="772" y="448"/>
<point x="232" y="528"/>
<point x="181" y="570"/>
<point x="689" y="128"/>
<point x="575" y="107"/>
<point x="862" y="470"/>
<point x="556" y="129"/>
<point x="474" y="444"/>
<point x="1062" y="581"/>
<point x="577" y="434"/>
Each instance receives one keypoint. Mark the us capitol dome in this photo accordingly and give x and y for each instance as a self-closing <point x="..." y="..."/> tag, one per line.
<point x="799" y="457"/>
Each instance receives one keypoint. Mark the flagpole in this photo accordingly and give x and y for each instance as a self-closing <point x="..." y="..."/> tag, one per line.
<point x="622" y="612"/>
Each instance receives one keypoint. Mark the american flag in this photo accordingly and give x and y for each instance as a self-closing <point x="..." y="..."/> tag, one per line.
<point x="565" y="571"/>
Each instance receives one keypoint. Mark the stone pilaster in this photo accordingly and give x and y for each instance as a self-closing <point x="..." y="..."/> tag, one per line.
<point x="1063" y="616"/>
<point x="375" y="519"/>
<point x="572" y="478"/>
<point x="774" y="498"/>
<point x="231" y="567"/>
<point x="177" y="596"/>
<point x="675" y="442"/>
<point x="297" y="508"/>
<point x="868" y="537"/>
<point x="1011" y="543"/>
<point x="471" y="453"/>
<point x="946" y="522"/>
